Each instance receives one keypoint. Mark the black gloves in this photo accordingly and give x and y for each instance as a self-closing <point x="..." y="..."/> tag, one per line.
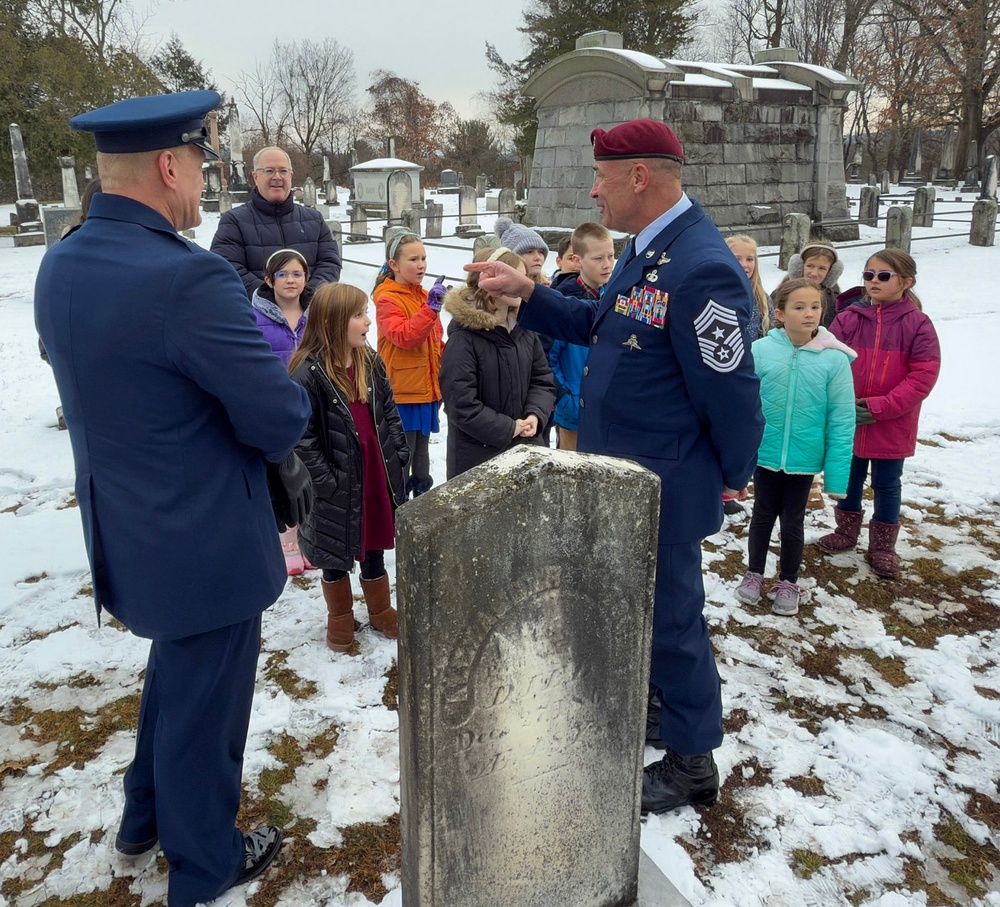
<point x="862" y="414"/>
<point x="291" y="491"/>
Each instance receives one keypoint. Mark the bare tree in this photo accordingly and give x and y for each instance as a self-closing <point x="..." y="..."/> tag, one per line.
<point x="317" y="86"/>
<point x="104" y="25"/>
<point x="259" y="94"/>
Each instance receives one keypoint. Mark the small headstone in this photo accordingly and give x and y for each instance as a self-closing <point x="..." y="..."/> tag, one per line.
<point x="899" y="228"/>
<point x="984" y="222"/>
<point x="336" y="231"/>
<point x="971" y="183"/>
<point x="486" y="241"/>
<point x="872" y="179"/>
<point x="56" y="220"/>
<point x="330" y="188"/>
<point x="411" y="220"/>
<point x="492" y="203"/>
<point x="885" y="182"/>
<point x="481" y="185"/>
<point x="71" y="191"/>
<point x="434" y="212"/>
<point x="794" y="235"/>
<point x="188" y="234"/>
<point x="467" y="205"/>
<point x="523" y="672"/>
<point x="359" y="224"/>
<point x="989" y="186"/>
<point x="505" y="202"/>
<point x="309" y="193"/>
<point x="225" y="201"/>
<point x="869" y="205"/>
<point x="400" y="194"/>
<point x="856" y="165"/>
<point x="923" y="206"/>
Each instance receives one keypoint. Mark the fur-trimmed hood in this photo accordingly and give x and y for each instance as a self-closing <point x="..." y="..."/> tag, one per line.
<point x="824" y="340"/>
<point x="836" y="271"/>
<point x="460" y="303"/>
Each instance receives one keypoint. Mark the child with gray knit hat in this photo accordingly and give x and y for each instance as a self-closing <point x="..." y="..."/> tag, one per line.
<point x="525" y="242"/>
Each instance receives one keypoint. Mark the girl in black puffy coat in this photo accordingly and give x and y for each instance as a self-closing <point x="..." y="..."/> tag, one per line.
<point x="355" y="450"/>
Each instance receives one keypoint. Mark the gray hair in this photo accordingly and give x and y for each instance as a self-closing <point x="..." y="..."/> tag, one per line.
<point x="257" y="156"/>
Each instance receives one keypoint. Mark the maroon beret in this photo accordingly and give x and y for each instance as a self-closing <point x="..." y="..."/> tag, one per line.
<point x="637" y="138"/>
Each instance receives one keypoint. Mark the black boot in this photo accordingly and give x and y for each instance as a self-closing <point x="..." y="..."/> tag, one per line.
<point x="653" y="738"/>
<point x="678" y="781"/>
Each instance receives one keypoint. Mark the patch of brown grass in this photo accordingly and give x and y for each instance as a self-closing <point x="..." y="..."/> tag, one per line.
<point x="735" y="721"/>
<point x="277" y="671"/>
<point x="36" y="849"/>
<point x="978" y="863"/>
<point x="811" y="714"/>
<point x="390" y="695"/>
<point x="807" y="785"/>
<point x="324" y="743"/>
<point x="78" y="735"/>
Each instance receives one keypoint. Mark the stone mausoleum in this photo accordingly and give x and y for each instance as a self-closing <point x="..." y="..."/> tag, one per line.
<point x="760" y="141"/>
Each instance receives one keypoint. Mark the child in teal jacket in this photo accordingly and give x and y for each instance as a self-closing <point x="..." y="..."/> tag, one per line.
<point x="807" y="396"/>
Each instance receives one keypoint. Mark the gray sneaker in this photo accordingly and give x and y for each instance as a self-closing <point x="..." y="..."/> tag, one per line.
<point x="785" y="597"/>
<point x="750" y="589"/>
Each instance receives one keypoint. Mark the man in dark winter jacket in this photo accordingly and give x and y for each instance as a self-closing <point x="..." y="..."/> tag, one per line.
<point x="270" y="220"/>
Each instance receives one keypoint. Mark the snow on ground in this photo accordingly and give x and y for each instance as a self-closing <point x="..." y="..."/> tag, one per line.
<point x="863" y="746"/>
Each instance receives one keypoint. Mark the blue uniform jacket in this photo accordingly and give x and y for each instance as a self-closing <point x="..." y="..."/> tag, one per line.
<point x="173" y="401"/>
<point x="670" y="381"/>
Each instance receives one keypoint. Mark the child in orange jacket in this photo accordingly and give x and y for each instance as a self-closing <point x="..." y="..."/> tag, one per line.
<point x="410" y="342"/>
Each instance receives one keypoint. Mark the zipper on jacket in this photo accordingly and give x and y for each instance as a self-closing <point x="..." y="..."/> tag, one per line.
<point x="385" y="466"/>
<point x="870" y="384"/>
<point x="786" y="436"/>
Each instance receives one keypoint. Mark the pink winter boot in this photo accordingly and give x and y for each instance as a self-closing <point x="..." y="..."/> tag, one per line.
<point x="845" y="536"/>
<point x="881" y="554"/>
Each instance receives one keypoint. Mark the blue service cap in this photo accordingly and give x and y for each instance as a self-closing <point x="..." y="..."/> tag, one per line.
<point x="150" y="123"/>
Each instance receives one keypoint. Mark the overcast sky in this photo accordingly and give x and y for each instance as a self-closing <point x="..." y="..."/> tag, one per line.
<point x="439" y="43"/>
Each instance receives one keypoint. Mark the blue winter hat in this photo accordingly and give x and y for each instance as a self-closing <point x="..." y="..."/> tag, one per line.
<point x="517" y="237"/>
<point x="150" y="123"/>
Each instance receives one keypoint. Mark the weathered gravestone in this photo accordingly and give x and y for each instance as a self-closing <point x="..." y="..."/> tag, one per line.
<point x="984" y="222"/>
<point x="868" y="206"/>
<point x="924" y="201"/>
<point x="505" y="202"/>
<point x="468" y="212"/>
<point x="71" y="191"/>
<point x="989" y="187"/>
<point x="899" y="228"/>
<point x="26" y="214"/>
<point x="435" y="216"/>
<point x="794" y="235"/>
<point x="525" y="591"/>
<point x="946" y="167"/>
<point x="57" y="219"/>
<point x="309" y="193"/>
<point x="359" y="224"/>
<point x="399" y="192"/>
<point x="914" y="173"/>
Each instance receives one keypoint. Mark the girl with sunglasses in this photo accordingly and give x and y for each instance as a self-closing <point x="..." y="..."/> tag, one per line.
<point x="897" y="366"/>
<point x="280" y="305"/>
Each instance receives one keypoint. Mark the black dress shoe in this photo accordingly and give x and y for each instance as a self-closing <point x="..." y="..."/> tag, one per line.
<point x="653" y="738"/>
<point x="677" y="781"/>
<point x="135" y="850"/>
<point x="733" y="507"/>
<point x="260" y="847"/>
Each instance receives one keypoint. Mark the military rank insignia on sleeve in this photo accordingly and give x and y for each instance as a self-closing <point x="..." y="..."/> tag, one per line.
<point x="719" y="337"/>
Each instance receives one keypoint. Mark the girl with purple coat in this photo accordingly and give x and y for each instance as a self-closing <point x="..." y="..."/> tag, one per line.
<point x="280" y="306"/>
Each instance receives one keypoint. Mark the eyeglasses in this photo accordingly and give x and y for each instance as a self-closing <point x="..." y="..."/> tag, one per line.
<point x="294" y="275"/>
<point x="274" y="171"/>
<point x="883" y="276"/>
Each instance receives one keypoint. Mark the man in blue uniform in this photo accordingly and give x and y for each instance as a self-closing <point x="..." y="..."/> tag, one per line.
<point x="174" y="402"/>
<point x="670" y="384"/>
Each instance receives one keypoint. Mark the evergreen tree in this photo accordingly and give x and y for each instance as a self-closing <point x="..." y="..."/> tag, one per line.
<point x="177" y="70"/>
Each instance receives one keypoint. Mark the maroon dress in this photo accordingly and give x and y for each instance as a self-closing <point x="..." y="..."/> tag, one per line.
<point x="378" y="528"/>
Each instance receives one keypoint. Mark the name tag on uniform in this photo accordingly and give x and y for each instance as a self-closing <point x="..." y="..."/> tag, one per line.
<point x="645" y="304"/>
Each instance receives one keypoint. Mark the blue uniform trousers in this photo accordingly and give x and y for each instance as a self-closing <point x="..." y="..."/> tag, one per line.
<point x="184" y="783"/>
<point x="682" y="668"/>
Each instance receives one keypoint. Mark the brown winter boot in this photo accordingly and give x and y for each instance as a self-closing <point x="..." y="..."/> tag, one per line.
<point x="340" y="614"/>
<point x="881" y="554"/>
<point x="381" y="614"/>
<point x="845" y="536"/>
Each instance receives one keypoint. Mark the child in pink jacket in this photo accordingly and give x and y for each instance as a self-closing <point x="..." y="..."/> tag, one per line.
<point x="898" y="363"/>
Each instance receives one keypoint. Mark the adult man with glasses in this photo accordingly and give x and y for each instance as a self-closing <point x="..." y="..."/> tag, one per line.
<point x="270" y="220"/>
